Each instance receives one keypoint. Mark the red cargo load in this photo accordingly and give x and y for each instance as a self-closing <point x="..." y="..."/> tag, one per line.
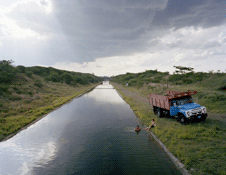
<point x="163" y="101"/>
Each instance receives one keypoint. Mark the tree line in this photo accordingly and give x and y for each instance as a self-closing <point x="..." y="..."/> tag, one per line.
<point x="181" y="76"/>
<point x="8" y="74"/>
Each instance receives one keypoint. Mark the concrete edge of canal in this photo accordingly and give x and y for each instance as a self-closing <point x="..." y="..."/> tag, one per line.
<point x="11" y="135"/>
<point x="178" y="164"/>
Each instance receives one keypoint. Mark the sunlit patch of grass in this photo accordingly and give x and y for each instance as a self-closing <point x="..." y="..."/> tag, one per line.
<point x="13" y="124"/>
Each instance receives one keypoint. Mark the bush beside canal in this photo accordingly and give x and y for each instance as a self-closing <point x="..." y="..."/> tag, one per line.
<point x="199" y="146"/>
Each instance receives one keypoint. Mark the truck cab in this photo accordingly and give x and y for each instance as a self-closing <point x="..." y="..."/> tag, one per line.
<point x="185" y="110"/>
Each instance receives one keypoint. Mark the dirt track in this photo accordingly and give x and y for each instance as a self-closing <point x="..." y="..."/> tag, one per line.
<point x="139" y="97"/>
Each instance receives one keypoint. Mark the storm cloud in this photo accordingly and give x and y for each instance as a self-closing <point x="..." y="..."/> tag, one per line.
<point x="110" y="28"/>
<point x="56" y="33"/>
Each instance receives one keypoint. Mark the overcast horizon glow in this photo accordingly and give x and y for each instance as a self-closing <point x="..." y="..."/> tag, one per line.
<point x="114" y="37"/>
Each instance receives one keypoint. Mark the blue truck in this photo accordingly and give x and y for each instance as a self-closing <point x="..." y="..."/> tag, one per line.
<point x="179" y="105"/>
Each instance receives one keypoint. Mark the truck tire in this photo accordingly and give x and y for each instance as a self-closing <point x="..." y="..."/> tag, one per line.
<point x="154" y="110"/>
<point x="183" y="119"/>
<point x="159" y="113"/>
<point x="166" y="113"/>
<point x="203" y="118"/>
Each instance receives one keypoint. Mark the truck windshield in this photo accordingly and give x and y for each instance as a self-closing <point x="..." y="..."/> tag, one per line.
<point x="184" y="101"/>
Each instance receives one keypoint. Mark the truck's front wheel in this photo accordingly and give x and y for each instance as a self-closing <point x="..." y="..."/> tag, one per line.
<point x="183" y="120"/>
<point x="203" y="118"/>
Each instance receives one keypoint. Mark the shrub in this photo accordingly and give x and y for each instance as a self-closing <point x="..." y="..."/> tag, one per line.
<point x="139" y="84"/>
<point x="4" y="88"/>
<point x="31" y="93"/>
<point x="7" y="71"/>
<point x="187" y="80"/>
<point x="18" y="91"/>
<point x="39" y="70"/>
<point x="175" y="78"/>
<point x="156" y="79"/>
<point x="14" y="98"/>
<point x="222" y="87"/>
<point x="78" y="80"/>
<point x="91" y="78"/>
<point x="28" y="73"/>
<point x="21" y="69"/>
<point x="38" y="83"/>
<point x="132" y="82"/>
<point x="217" y="97"/>
<point x="54" y="77"/>
<point x="2" y="120"/>
<point x="67" y="78"/>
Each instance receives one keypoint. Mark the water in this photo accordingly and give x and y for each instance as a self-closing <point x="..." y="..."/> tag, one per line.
<point x="93" y="134"/>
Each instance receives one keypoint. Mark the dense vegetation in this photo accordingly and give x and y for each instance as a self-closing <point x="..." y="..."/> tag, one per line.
<point x="10" y="75"/>
<point x="27" y="93"/>
<point x="139" y="79"/>
<point x="199" y="146"/>
<point x="210" y="86"/>
<point x="177" y="78"/>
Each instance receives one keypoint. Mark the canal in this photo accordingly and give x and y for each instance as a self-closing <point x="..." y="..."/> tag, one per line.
<point x="93" y="134"/>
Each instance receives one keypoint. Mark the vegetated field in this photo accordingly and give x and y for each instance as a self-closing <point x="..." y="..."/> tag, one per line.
<point x="27" y="95"/>
<point x="201" y="147"/>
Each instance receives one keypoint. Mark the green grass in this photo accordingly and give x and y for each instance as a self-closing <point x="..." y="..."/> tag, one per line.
<point x="208" y="85"/>
<point x="24" y="102"/>
<point x="199" y="146"/>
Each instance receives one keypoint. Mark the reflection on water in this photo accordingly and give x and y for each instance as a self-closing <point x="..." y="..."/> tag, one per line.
<point x="107" y="95"/>
<point x="93" y="134"/>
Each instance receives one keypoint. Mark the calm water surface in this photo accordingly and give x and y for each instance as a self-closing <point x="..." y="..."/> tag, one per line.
<point x="93" y="134"/>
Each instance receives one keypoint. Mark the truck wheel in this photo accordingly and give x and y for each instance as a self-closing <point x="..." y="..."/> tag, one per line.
<point x="154" y="110"/>
<point x="166" y="113"/>
<point x="159" y="113"/>
<point x="203" y="118"/>
<point x="183" y="120"/>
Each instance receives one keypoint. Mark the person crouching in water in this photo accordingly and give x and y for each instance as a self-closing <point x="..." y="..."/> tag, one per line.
<point x="152" y="125"/>
<point x="138" y="128"/>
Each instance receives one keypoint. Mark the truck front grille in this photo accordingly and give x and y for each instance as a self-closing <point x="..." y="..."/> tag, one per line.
<point x="196" y="111"/>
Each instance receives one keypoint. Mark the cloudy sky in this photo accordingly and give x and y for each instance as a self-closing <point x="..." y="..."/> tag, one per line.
<point x="111" y="37"/>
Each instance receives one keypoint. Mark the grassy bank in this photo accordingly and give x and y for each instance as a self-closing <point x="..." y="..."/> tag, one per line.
<point x="211" y="86"/>
<point x="28" y="93"/>
<point x="19" y="113"/>
<point x="199" y="146"/>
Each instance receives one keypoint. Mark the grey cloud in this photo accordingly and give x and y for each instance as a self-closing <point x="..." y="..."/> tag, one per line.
<point x="154" y="42"/>
<point x="218" y="53"/>
<point x="175" y="44"/>
<point x="27" y="52"/>
<point x="85" y="30"/>
<point x="43" y="2"/>
<point x="36" y="20"/>
<point x="211" y="44"/>
<point x="224" y="40"/>
<point x="119" y="5"/>
<point x="120" y="27"/>
<point x="107" y="28"/>
<point x="200" y="13"/>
